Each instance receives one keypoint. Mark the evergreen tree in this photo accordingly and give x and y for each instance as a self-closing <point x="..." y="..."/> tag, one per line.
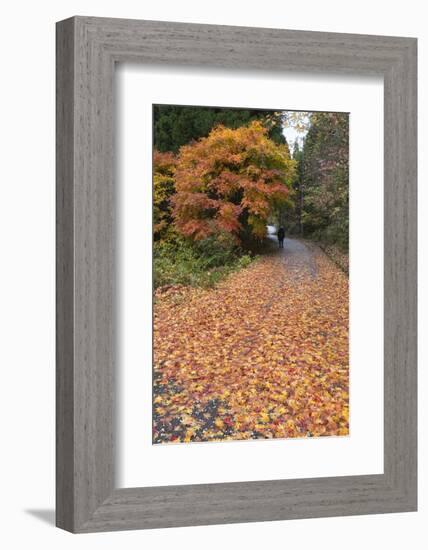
<point x="296" y="220"/>
<point x="324" y="175"/>
<point x="177" y="125"/>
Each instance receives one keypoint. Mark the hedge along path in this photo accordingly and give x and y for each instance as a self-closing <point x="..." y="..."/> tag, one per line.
<point x="263" y="355"/>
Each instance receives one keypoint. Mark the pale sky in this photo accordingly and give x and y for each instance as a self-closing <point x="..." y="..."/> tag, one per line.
<point x="291" y="135"/>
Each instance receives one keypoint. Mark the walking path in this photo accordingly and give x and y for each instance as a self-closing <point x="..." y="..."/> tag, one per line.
<point x="264" y="354"/>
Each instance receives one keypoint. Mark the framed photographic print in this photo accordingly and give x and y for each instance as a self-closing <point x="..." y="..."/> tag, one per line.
<point x="236" y="274"/>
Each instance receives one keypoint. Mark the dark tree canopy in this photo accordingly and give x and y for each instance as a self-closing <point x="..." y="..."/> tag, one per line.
<point x="325" y="177"/>
<point x="177" y="125"/>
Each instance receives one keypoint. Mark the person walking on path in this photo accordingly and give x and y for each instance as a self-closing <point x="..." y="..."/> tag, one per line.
<point x="281" y="235"/>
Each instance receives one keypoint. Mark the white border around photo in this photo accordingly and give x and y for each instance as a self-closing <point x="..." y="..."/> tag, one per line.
<point x="140" y="462"/>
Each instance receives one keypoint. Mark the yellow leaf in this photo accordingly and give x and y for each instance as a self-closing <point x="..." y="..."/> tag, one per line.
<point x="265" y="417"/>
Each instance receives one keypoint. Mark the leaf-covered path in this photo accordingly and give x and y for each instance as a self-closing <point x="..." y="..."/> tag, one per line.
<point x="264" y="354"/>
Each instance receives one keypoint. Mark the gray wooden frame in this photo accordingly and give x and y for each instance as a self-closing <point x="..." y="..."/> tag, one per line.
<point x="87" y="50"/>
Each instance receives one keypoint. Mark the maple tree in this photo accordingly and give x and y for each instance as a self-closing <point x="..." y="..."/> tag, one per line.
<point x="230" y="182"/>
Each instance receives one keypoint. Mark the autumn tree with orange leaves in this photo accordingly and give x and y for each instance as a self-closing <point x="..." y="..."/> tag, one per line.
<point x="231" y="182"/>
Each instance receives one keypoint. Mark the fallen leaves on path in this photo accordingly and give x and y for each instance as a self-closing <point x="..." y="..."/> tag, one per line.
<point x="263" y="355"/>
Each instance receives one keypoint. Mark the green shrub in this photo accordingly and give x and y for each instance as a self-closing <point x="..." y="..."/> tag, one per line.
<point x="204" y="263"/>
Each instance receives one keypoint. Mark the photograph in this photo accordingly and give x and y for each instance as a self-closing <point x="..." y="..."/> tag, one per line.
<point x="250" y="274"/>
<point x="210" y="266"/>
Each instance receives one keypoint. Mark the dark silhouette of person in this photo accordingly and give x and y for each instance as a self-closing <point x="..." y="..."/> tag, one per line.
<point x="281" y="235"/>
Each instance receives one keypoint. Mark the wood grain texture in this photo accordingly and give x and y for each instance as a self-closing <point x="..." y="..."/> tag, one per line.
<point x="64" y="276"/>
<point x="87" y="49"/>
